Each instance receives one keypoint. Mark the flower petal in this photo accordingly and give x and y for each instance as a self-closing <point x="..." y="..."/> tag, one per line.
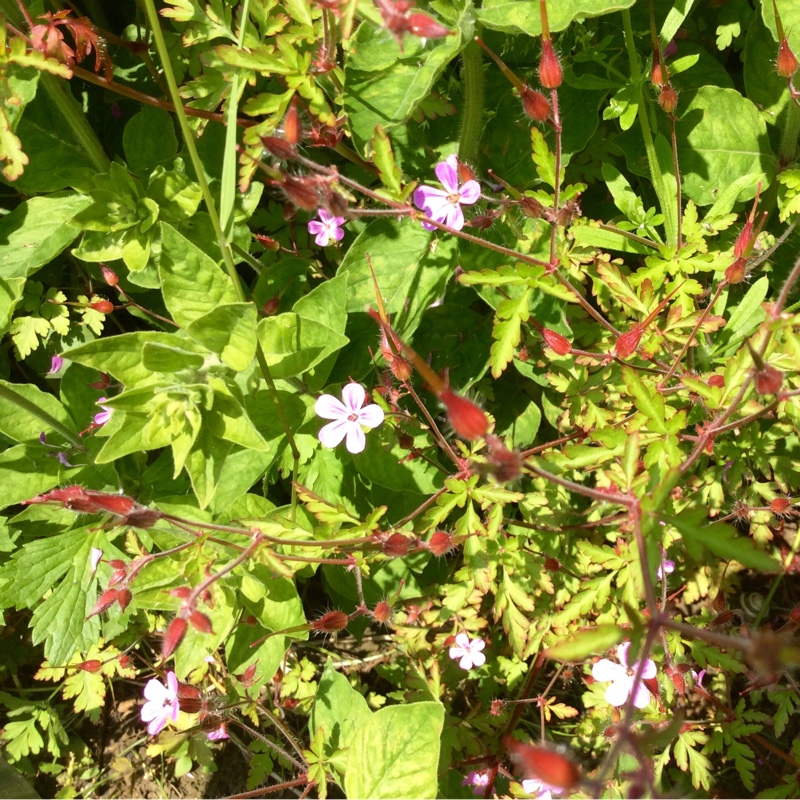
<point x="462" y="640"/>
<point x="315" y="227"/>
<point x="371" y="416"/>
<point x="454" y="217"/>
<point x="330" y="407"/>
<point x="622" y="653"/>
<point x="337" y="233"/>
<point x="605" y="670"/>
<point x="353" y="396"/>
<point x="333" y="433"/>
<point x="456" y="652"/>
<point x="155" y="690"/>
<point x="470" y="193"/>
<point x="641" y="698"/>
<point x="447" y="173"/>
<point x="158" y="723"/>
<point x="322" y="238"/>
<point x="356" y="441"/>
<point x="466" y="662"/>
<point x="649" y="670"/>
<point x="617" y="693"/>
<point x="325" y="215"/>
<point x="478" y="658"/>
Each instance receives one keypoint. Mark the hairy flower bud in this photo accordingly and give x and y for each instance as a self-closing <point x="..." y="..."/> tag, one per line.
<point x="382" y="612"/>
<point x="175" y="632"/>
<point x="93" y="665"/>
<point x="535" y="104"/>
<point x="425" y="27"/>
<point x="555" y="341"/>
<point x="104" y="602"/>
<point x="550" y="74"/>
<point x="103" y="306"/>
<point x="786" y="63"/>
<point x="736" y="272"/>
<point x="768" y="380"/>
<point x="716" y="380"/>
<point x="200" y="622"/>
<point x="280" y="148"/>
<point x="124" y="597"/>
<point x="302" y="191"/>
<point x="627" y="343"/>
<point x="467" y="419"/>
<point x="668" y="98"/>
<point x="397" y="545"/>
<point x="440" y="543"/>
<point x="330" y="622"/>
<point x="546" y="764"/>
<point x="109" y="275"/>
<point x="657" y="74"/>
<point x="291" y="124"/>
<point x="779" y="505"/>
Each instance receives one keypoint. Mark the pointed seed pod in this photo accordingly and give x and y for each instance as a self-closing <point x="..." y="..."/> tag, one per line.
<point x="302" y="191"/>
<point x="176" y="630"/>
<point x="280" y="148"/>
<point x="535" y="104"/>
<point x="550" y="74"/>
<point x="736" y="271"/>
<point x="786" y="63"/>
<point x="657" y="73"/>
<point x="425" y="27"/>
<point x="330" y="622"/>
<point x="109" y="275"/>
<point x="467" y="419"/>
<point x="556" y="342"/>
<point x="104" y="602"/>
<point x="397" y="545"/>
<point x="627" y="343"/>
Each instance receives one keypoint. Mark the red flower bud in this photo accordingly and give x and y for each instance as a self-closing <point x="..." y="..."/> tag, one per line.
<point x="330" y="622"/>
<point x="787" y="60"/>
<point x="109" y="275"/>
<point x="291" y="124"/>
<point x="544" y="763"/>
<point x="555" y="341"/>
<point x="531" y="207"/>
<point x="736" y="271"/>
<point x="743" y="239"/>
<point x="779" y="505"/>
<point x="657" y="75"/>
<point x="716" y="380"/>
<point x="425" y="27"/>
<point x="103" y="306"/>
<point x="627" y="343"/>
<point x="181" y="592"/>
<point x="440" y="543"/>
<point x="397" y="545"/>
<point x="268" y="242"/>
<point x="117" y="504"/>
<point x="116" y="563"/>
<point x="465" y="172"/>
<point x="92" y="665"/>
<point x="535" y="104"/>
<point x="247" y="677"/>
<point x="200" y="622"/>
<point x="302" y="191"/>
<point x="124" y="597"/>
<point x="467" y="419"/>
<point x="552" y="564"/>
<point x="550" y="74"/>
<point x="271" y="306"/>
<point x="280" y="148"/>
<point x="176" y="630"/>
<point x="668" y="98"/>
<point x="382" y="612"/>
<point x="768" y="380"/>
<point x="105" y="601"/>
<point x="794" y="614"/>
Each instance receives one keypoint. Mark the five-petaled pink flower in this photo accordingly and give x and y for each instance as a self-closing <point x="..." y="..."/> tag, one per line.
<point x="539" y="789"/>
<point x="326" y="228"/>
<point x="468" y="652"/>
<point x="218" y="733"/>
<point x="666" y="567"/>
<point x="622" y="677"/>
<point x="477" y="780"/>
<point x="348" y="416"/>
<point x="444" y="206"/>
<point x="162" y="703"/>
<point x="105" y="415"/>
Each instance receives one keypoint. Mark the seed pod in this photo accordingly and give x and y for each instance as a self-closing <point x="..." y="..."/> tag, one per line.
<point x="535" y="104"/>
<point x="291" y="124"/>
<point x="330" y="622"/>
<point x="786" y="63"/>
<point x="109" y="275"/>
<point x="425" y="27"/>
<point x="550" y="74"/>
<point x="104" y="602"/>
<point x="441" y="542"/>
<point x="736" y="271"/>
<point x="779" y="505"/>
<point x="544" y="763"/>
<point x="176" y="630"/>
<point x="397" y="545"/>
<point x="302" y="191"/>
<point x="768" y="380"/>
<point x="93" y="665"/>
<point x="124" y="597"/>
<point x="382" y="612"/>
<point x="627" y="343"/>
<point x="280" y="148"/>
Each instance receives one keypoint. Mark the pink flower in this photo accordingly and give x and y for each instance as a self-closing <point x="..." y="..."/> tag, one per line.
<point x="56" y="362"/>
<point x="622" y="677"/>
<point x="94" y="558"/>
<point x="468" y="651"/>
<point x="329" y="228"/>
<point x="666" y="567"/>
<point x="348" y="417"/>
<point x="218" y="733"/>
<point x="477" y="780"/>
<point x="162" y="703"/>
<point x="539" y="789"/>
<point x="445" y="205"/>
<point x="105" y="415"/>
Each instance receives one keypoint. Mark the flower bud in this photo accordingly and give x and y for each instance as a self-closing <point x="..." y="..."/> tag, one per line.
<point x="425" y="27"/>
<point x="467" y="419"/>
<point x="550" y="74"/>
<point x="124" y="597"/>
<point x="248" y="676"/>
<point x="555" y="341"/>
<point x="546" y="764"/>
<point x="302" y="191"/>
<point x="627" y="343"/>
<point x="200" y="622"/>
<point x="291" y="124"/>
<point x="465" y="172"/>
<point x="176" y="630"/>
<point x="109" y="275"/>
<point x="271" y="306"/>
<point x="280" y="148"/>
<point x="330" y="622"/>
<point x="787" y="60"/>
<point x="531" y="207"/>
<point x="440" y="543"/>
<point x="104" y="602"/>
<point x="768" y="380"/>
<point x="268" y="243"/>
<point x="668" y="98"/>
<point x="93" y="665"/>
<point x="736" y="271"/>
<point x="382" y="612"/>
<point x="716" y="380"/>
<point x="779" y="505"/>
<point x="103" y="306"/>
<point x="535" y="104"/>
<point x="657" y="74"/>
<point x="552" y="564"/>
<point x="397" y="545"/>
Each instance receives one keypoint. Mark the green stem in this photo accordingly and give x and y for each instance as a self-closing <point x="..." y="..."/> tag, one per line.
<point x="72" y="113"/>
<point x="657" y="175"/>
<point x="788" y="145"/>
<point x="472" y="121"/>
<point x="224" y="245"/>
<point x="7" y="393"/>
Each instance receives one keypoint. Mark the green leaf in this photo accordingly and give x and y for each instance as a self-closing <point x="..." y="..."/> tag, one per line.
<point x="722" y="540"/>
<point x="149" y="138"/>
<point x="396" y="753"/>
<point x="507" y="330"/>
<point x="229" y="330"/>
<point x="26" y="471"/>
<point x="646" y="399"/>
<point x="20" y="423"/>
<point x="204" y="464"/>
<point x="36" y="231"/>
<point x="583" y="644"/>
<point x="191" y="281"/>
<point x="746" y="317"/>
<point x="338" y="709"/>
<point x="383" y="157"/>
<point x="157" y="357"/>
<point x="514" y="16"/>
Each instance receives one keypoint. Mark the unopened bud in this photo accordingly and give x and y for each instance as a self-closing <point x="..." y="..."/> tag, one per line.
<point x="467" y="419"/>
<point x="531" y="207"/>
<point x="465" y="172"/>
<point x="397" y="545"/>
<point x="268" y="243"/>
<point x="330" y="622"/>
<point x="93" y="665"/>
<point x="176" y="630"/>
<point x="302" y="191"/>
<point x="657" y="75"/>
<point x="779" y="505"/>
<point x="425" y="27"/>
<point x="109" y="275"/>
<point x="124" y="597"/>
<point x="271" y="306"/>
<point x="104" y="602"/>
<point x="103" y="306"/>
<point x="786" y="63"/>
<point x="200" y="622"/>
<point x="768" y="380"/>
<point x="280" y="148"/>
<point x="736" y="272"/>
<point x="440" y="543"/>
<point x="627" y="343"/>
<point x="716" y="380"/>
<point x="550" y="74"/>
<point x="552" y="564"/>
<point x="556" y="342"/>
<point x="535" y="104"/>
<point x="668" y="98"/>
<point x="382" y="612"/>
<point x="291" y="124"/>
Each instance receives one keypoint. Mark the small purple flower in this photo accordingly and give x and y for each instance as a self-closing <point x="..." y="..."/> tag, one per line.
<point x="666" y="567"/>
<point x="56" y="362"/>
<point x="105" y="415"/>
<point x="218" y="733"/>
<point x="94" y="558"/>
<point x="348" y="416"/>
<point x="444" y="206"/>
<point x="326" y="228"/>
<point x="699" y="677"/>
<point x="468" y="652"/>
<point x="62" y="457"/>
<point x="622" y="678"/>
<point x="162" y="703"/>
<point x="477" y="780"/>
<point x="539" y="789"/>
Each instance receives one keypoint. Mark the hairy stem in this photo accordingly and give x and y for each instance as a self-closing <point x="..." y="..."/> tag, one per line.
<point x="472" y="79"/>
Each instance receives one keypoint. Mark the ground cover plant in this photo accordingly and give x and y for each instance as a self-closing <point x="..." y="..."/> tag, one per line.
<point x="400" y="400"/>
